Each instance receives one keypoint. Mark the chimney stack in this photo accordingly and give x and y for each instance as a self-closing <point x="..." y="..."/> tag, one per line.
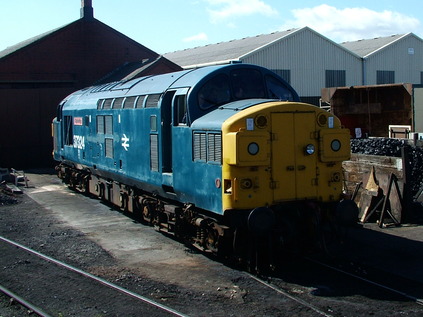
<point x="87" y="11"/>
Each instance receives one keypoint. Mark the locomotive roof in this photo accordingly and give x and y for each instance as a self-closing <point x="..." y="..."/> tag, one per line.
<point x="155" y="84"/>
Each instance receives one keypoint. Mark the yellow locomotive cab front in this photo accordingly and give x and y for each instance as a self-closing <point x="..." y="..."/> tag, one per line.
<point x="277" y="152"/>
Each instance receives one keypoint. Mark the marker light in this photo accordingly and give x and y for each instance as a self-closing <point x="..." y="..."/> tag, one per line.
<point x="335" y="145"/>
<point x="253" y="148"/>
<point x="309" y="149"/>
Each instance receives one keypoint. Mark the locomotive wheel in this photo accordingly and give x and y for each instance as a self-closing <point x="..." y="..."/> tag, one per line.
<point x="212" y="240"/>
<point x="146" y="213"/>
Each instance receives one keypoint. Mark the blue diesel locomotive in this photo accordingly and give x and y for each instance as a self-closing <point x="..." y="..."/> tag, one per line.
<point x="226" y="156"/>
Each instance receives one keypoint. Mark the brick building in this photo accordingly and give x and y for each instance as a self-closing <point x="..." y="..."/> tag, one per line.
<point x="36" y="74"/>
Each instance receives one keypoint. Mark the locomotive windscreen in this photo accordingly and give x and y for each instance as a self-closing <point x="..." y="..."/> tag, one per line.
<point x="242" y="83"/>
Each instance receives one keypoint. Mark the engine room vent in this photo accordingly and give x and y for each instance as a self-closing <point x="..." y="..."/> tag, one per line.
<point x="117" y="104"/>
<point x="214" y="153"/>
<point x="207" y="147"/>
<point x="200" y="146"/>
<point x="107" y="104"/>
<point x="154" y="152"/>
<point x="152" y="101"/>
<point x="108" y="147"/>
<point x="129" y="102"/>
<point x="140" y="102"/>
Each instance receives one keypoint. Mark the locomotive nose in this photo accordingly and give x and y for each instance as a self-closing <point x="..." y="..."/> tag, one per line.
<point x="261" y="220"/>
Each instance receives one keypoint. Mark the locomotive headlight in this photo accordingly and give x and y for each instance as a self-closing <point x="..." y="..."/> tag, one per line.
<point x="335" y="145"/>
<point x="309" y="149"/>
<point x="246" y="183"/>
<point x="253" y="148"/>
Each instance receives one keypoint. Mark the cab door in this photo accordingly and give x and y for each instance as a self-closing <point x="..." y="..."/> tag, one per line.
<point x="294" y="173"/>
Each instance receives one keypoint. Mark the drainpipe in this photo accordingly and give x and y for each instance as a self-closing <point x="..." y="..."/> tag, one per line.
<point x="364" y="72"/>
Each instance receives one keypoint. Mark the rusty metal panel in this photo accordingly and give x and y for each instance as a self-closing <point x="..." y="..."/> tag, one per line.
<point x="371" y="109"/>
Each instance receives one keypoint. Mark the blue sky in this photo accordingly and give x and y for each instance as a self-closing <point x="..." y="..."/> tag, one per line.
<point x="169" y="25"/>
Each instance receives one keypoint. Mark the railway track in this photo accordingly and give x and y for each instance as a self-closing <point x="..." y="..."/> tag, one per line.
<point x="370" y="281"/>
<point x="327" y="290"/>
<point x="148" y="306"/>
<point x="202" y="287"/>
<point x="32" y="309"/>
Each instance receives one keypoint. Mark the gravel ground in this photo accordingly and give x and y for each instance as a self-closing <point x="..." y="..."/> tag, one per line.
<point x="85" y="233"/>
<point x="169" y="272"/>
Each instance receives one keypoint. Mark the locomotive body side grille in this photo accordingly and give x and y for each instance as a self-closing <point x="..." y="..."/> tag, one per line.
<point x="154" y="152"/>
<point x="207" y="147"/>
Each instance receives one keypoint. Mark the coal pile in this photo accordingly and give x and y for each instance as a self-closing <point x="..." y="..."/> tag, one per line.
<point x="379" y="146"/>
<point x="393" y="147"/>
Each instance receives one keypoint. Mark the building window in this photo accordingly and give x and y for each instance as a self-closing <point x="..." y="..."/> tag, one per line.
<point x="335" y="78"/>
<point x="421" y="78"/>
<point x="385" y="77"/>
<point x="285" y="74"/>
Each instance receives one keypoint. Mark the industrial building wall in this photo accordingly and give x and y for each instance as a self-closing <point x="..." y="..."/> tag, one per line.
<point x="418" y="109"/>
<point x="26" y="116"/>
<point x="404" y="58"/>
<point x="307" y="55"/>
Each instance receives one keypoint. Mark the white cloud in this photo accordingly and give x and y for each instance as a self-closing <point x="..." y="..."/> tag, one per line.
<point x="197" y="37"/>
<point x="224" y="10"/>
<point x="351" y="24"/>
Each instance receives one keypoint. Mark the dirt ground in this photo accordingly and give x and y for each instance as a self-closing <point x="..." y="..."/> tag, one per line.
<point x="83" y="232"/>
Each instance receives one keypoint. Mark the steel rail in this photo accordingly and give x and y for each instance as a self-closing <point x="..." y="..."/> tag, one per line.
<point x="24" y="302"/>
<point x="298" y="300"/>
<point x="418" y="301"/>
<point x="96" y="278"/>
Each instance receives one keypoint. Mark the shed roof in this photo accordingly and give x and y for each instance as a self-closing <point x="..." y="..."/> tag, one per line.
<point x="14" y="48"/>
<point x="224" y="52"/>
<point x="367" y="47"/>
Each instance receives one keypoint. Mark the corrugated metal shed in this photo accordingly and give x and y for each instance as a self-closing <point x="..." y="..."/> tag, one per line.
<point x="391" y="59"/>
<point x="297" y="54"/>
<point x="367" y="47"/>
<point x="309" y="57"/>
<point x="223" y="52"/>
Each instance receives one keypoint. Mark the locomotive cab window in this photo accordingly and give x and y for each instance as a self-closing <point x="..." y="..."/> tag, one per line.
<point x="180" y="108"/>
<point x="277" y="90"/>
<point x="247" y="83"/>
<point x="214" y="93"/>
